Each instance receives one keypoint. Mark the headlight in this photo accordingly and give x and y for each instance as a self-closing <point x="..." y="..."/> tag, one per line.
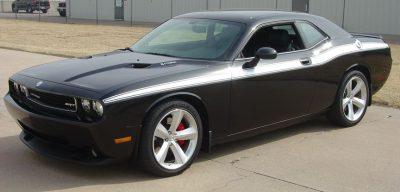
<point x="98" y="107"/>
<point x="24" y="90"/>
<point x="16" y="88"/>
<point x="86" y="105"/>
<point x="92" y="110"/>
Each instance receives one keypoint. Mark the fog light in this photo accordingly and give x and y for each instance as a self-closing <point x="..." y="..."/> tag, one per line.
<point x="98" y="107"/>
<point x="86" y="105"/>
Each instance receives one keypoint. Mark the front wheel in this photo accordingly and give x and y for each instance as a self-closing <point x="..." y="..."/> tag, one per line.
<point x="171" y="138"/>
<point x="44" y="10"/>
<point x="351" y="101"/>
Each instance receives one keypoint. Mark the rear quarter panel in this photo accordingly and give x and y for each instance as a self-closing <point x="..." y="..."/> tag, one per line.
<point x="374" y="56"/>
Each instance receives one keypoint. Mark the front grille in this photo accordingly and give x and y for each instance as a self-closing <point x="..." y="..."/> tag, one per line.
<point x="53" y="101"/>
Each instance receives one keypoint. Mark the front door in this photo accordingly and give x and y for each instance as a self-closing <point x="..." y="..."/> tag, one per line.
<point x="300" y="5"/>
<point x="275" y="90"/>
<point x="119" y="9"/>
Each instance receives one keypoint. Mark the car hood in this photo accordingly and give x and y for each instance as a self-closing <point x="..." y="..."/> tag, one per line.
<point x="113" y="70"/>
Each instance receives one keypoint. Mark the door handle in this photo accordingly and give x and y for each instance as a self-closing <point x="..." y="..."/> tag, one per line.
<point x="305" y="61"/>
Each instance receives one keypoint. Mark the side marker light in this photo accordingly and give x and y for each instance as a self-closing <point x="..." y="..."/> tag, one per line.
<point x="122" y="140"/>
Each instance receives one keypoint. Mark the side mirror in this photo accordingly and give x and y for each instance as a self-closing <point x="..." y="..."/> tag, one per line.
<point x="261" y="53"/>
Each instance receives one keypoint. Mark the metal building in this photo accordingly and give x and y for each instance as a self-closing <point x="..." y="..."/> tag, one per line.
<point x="363" y="16"/>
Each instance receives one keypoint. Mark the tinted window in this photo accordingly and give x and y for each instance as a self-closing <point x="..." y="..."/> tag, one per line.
<point x="281" y="37"/>
<point x="288" y="28"/>
<point x="310" y="34"/>
<point x="191" y="38"/>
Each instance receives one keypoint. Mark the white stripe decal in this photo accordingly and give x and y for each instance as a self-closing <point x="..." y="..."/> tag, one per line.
<point x="320" y="56"/>
<point x="218" y="76"/>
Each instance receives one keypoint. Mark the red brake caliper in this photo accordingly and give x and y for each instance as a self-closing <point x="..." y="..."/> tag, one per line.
<point x="181" y="127"/>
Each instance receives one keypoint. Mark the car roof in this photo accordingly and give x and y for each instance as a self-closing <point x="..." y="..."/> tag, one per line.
<point x="256" y="17"/>
<point x="243" y="16"/>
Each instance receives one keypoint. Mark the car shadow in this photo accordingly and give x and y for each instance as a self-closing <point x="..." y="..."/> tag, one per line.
<point x="22" y="169"/>
<point x="320" y="124"/>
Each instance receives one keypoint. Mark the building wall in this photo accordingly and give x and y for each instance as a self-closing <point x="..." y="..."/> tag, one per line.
<point x="364" y="16"/>
<point x="249" y="4"/>
<point x="83" y="9"/>
<point x="214" y="4"/>
<point x="373" y="16"/>
<point x="330" y="9"/>
<point x="285" y="5"/>
<point x="151" y="10"/>
<point x="87" y="9"/>
<point x="185" y="6"/>
<point x="106" y="9"/>
<point x="127" y="10"/>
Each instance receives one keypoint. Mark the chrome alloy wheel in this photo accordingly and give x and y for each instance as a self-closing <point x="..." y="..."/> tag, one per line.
<point x="175" y="139"/>
<point x="354" y="98"/>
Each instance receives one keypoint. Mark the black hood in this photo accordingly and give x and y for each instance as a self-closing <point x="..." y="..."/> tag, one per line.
<point x="113" y="70"/>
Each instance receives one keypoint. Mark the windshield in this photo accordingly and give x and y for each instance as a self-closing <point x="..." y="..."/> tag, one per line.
<point x="191" y="38"/>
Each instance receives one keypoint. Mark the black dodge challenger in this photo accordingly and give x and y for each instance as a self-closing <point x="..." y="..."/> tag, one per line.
<point x="197" y="80"/>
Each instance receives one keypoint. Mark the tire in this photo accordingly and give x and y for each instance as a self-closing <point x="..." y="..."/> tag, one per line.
<point x="44" y="10"/>
<point x="349" y="108"/>
<point x="153" y="142"/>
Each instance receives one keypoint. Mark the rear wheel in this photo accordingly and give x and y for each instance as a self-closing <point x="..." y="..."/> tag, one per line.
<point x="351" y="101"/>
<point x="44" y="10"/>
<point x="171" y="138"/>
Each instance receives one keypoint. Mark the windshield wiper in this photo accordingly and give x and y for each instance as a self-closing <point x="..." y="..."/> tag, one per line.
<point x="127" y="49"/>
<point x="160" y="54"/>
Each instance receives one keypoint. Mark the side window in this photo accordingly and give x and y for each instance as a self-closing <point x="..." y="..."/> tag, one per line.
<point x="309" y="34"/>
<point x="281" y="37"/>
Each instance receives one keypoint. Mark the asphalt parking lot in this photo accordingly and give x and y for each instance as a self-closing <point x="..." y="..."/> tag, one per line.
<point x="313" y="156"/>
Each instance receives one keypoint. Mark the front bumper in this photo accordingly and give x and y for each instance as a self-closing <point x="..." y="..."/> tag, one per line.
<point x="88" y="143"/>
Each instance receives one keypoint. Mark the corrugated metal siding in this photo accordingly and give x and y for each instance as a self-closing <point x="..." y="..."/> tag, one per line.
<point x="373" y="16"/>
<point x="151" y="10"/>
<point x="249" y="4"/>
<point x="186" y="6"/>
<point x="127" y="10"/>
<point x="330" y="9"/>
<point x="106" y="9"/>
<point x="214" y="4"/>
<point x="83" y="9"/>
<point x="364" y="16"/>
<point x="285" y="5"/>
